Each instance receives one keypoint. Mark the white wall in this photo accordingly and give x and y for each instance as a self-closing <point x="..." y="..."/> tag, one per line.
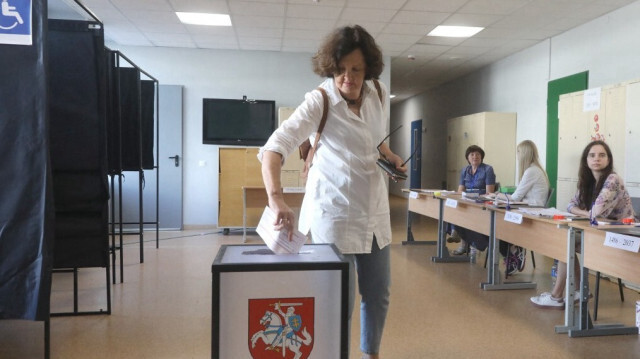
<point x="607" y="47"/>
<point x="515" y="84"/>
<point x="263" y="75"/>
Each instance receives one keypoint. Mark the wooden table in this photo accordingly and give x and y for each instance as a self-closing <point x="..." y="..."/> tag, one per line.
<point x="540" y="235"/>
<point x="598" y="257"/>
<point x="552" y="238"/>
<point x="448" y="208"/>
<point x="256" y="197"/>
<point x="464" y="213"/>
<point x="424" y="204"/>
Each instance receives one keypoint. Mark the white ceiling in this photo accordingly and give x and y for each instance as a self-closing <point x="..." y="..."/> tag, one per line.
<point x="399" y="27"/>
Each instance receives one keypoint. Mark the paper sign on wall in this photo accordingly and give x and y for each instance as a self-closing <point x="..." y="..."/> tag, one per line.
<point x="591" y="99"/>
<point x="15" y="22"/>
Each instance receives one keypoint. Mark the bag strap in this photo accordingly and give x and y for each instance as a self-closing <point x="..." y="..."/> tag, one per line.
<point x="377" y="84"/>
<point x="325" y="109"/>
<point x="323" y="121"/>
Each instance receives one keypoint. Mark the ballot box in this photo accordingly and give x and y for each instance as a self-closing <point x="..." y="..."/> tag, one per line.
<point x="268" y="306"/>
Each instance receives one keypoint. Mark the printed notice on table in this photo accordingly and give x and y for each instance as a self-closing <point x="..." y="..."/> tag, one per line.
<point x="621" y="241"/>
<point x="278" y="241"/>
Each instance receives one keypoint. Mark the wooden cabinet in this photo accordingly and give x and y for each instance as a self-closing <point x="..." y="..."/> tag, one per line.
<point x="632" y="139"/>
<point x="495" y="132"/>
<point x="614" y="121"/>
<point x="239" y="166"/>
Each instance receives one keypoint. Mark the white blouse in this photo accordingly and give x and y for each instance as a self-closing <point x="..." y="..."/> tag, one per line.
<point x="346" y="200"/>
<point x="533" y="187"/>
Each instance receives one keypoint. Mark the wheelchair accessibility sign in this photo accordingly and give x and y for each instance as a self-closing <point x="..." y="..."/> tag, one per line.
<point x="15" y="22"/>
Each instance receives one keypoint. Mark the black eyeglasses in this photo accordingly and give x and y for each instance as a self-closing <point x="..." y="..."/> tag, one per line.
<point x="387" y="166"/>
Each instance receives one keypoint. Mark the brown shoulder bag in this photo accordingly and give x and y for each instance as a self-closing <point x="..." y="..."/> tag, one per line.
<point x="305" y="149"/>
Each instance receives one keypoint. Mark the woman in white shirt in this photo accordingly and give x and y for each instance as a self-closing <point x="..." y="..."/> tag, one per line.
<point x="533" y="188"/>
<point x="346" y="200"/>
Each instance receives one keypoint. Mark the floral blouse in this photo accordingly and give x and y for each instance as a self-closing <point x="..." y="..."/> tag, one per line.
<point x="613" y="201"/>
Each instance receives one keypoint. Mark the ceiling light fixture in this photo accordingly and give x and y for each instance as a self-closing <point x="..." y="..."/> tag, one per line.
<point x="197" y="18"/>
<point x="455" y="31"/>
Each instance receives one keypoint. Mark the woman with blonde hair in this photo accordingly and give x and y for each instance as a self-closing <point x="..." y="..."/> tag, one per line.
<point x="533" y="188"/>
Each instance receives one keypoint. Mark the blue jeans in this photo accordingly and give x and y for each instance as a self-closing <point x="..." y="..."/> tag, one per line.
<point x="374" y="281"/>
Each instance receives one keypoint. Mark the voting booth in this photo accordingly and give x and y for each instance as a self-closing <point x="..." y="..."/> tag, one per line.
<point x="279" y="306"/>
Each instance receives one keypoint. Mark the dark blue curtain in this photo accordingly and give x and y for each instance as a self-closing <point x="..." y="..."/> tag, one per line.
<point x="77" y="103"/>
<point x="26" y="204"/>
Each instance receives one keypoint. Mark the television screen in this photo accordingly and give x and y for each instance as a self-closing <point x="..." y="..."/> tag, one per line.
<point x="237" y="122"/>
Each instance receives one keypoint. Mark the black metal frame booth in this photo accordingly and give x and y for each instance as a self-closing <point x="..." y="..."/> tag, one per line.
<point x="132" y="116"/>
<point x="77" y="110"/>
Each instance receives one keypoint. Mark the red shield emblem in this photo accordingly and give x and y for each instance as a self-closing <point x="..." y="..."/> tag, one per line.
<point x="281" y="328"/>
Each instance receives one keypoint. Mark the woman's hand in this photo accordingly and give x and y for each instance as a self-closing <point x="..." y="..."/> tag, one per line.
<point x="397" y="162"/>
<point x="394" y="159"/>
<point x="271" y="167"/>
<point x="285" y="218"/>
<point x="580" y="212"/>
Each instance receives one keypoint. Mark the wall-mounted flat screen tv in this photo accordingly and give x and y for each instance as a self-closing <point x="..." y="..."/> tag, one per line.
<point x="237" y="122"/>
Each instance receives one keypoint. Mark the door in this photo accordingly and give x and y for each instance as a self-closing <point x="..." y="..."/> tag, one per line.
<point x="170" y="210"/>
<point x="555" y="88"/>
<point x="169" y="172"/>
<point x="416" y="154"/>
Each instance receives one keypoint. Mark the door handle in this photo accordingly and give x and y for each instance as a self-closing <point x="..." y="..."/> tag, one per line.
<point x="176" y="160"/>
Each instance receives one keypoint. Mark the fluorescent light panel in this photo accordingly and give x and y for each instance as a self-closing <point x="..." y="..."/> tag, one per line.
<point x="197" y="18"/>
<point x="455" y="31"/>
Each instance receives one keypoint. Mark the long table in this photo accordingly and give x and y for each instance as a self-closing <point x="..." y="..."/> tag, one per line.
<point x="425" y="207"/>
<point x="613" y="261"/>
<point x="444" y="209"/>
<point x="552" y="238"/>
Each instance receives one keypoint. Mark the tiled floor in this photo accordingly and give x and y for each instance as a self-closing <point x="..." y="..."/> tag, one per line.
<point x="163" y="308"/>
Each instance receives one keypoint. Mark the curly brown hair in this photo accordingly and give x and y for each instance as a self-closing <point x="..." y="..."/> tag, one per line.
<point x="342" y="42"/>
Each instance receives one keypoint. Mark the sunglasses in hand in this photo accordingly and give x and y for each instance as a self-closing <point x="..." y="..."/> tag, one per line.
<point x="389" y="167"/>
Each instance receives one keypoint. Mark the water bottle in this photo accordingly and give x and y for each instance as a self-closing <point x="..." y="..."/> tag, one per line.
<point x="472" y="257"/>
<point x="554" y="272"/>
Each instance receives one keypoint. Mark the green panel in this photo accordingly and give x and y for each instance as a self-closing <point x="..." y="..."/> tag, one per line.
<point x="555" y="88"/>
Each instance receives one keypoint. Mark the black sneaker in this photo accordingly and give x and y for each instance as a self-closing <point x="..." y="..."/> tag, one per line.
<point x="453" y="238"/>
<point x="511" y="264"/>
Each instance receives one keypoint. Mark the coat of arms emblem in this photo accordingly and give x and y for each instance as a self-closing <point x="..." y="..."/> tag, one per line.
<point x="281" y="328"/>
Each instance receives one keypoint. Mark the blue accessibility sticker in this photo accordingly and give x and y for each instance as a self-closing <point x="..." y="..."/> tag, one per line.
<point x="15" y="22"/>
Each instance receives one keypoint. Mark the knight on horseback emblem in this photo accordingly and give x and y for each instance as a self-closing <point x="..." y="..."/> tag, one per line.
<point x="280" y="330"/>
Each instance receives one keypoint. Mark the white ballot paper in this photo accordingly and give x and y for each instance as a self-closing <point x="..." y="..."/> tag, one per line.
<point x="278" y="241"/>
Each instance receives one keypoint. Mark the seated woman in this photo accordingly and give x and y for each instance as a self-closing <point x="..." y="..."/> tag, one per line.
<point x="533" y="188"/>
<point x="601" y="193"/>
<point x="480" y="176"/>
